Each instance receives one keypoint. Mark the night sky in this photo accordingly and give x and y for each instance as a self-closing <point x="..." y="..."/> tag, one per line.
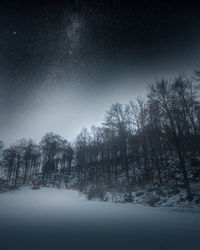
<point x="63" y="63"/>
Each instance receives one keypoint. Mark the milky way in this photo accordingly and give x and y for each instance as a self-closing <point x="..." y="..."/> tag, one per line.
<point x="63" y="63"/>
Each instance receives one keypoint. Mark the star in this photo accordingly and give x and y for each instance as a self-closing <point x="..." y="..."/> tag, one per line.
<point x="14" y="32"/>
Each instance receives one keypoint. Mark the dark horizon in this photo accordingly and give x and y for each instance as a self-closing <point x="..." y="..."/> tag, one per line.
<point x="64" y="63"/>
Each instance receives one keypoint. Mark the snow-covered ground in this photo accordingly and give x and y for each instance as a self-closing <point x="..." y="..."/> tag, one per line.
<point x="51" y="218"/>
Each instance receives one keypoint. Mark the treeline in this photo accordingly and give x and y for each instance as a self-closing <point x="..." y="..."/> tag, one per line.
<point x="26" y="161"/>
<point x="151" y="143"/>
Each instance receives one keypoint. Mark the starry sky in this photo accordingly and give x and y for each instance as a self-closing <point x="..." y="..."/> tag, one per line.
<point x="63" y="63"/>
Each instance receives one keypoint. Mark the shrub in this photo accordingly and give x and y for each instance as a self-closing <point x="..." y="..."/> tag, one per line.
<point x="152" y="200"/>
<point x="160" y="192"/>
<point x="80" y="186"/>
<point x="127" y="198"/>
<point x="96" y="192"/>
<point x="139" y="193"/>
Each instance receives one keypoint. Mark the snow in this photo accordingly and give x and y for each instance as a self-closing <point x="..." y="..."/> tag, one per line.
<point x="50" y="218"/>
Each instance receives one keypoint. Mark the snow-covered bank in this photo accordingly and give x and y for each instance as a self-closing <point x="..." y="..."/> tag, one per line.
<point x="51" y="218"/>
<point x="177" y="201"/>
<point x="162" y="197"/>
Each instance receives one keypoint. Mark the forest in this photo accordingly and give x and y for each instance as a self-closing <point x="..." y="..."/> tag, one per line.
<point x="149" y="147"/>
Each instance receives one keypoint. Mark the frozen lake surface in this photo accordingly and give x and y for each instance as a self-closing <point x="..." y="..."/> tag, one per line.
<point x="63" y="219"/>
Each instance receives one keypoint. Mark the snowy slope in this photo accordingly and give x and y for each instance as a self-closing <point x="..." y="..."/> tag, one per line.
<point x="51" y="218"/>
